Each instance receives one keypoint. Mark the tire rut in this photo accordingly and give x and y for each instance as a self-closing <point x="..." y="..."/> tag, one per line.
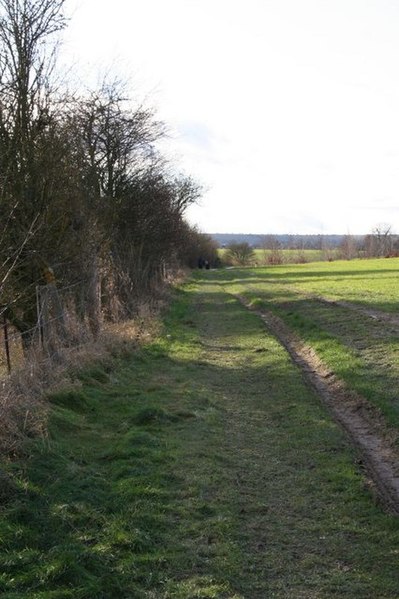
<point x="378" y="315"/>
<point x="362" y="422"/>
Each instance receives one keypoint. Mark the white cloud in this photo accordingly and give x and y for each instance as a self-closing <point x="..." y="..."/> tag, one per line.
<point x="287" y="111"/>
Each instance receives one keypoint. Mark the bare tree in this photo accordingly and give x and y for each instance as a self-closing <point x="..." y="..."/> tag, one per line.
<point x="383" y="239"/>
<point x="115" y="141"/>
<point x="347" y="247"/>
<point x="272" y="249"/>
<point x="27" y="29"/>
<point x="27" y="56"/>
<point x="240" y="254"/>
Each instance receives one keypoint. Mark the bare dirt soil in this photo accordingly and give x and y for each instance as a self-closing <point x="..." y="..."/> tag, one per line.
<point x="361" y="421"/>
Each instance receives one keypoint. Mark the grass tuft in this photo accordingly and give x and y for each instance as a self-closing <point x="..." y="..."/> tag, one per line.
<point x="72" y="399"/>
<point x="153" y="415"/>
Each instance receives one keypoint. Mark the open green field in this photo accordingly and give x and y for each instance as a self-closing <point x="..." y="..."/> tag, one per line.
<point x="203" y="466"/>
<point x="351" y="337"/>
<point x="290" y="256"/>
<point x="371" y="283"/>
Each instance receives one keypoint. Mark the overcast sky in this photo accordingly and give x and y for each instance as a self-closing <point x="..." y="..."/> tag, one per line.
<point x="287" y="111"/>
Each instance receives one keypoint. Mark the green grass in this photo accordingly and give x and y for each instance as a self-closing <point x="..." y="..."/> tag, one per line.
<point x="288" y="255"/>
<point x="367" y="283"/>
<point x="201" y="467"/>
<point x="362" y="351"/>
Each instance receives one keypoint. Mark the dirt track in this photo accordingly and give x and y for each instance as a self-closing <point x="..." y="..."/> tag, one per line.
<point x="361" y="421"/>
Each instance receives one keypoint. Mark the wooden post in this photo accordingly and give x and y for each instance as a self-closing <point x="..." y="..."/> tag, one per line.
<point x="6" y="343"/>
<point x="56" y="312"/>
<point x="39" y="315"/>
<point x="45" y="319"/>
<point x="94" y="299"/>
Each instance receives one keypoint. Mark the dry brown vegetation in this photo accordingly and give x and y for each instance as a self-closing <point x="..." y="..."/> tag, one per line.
<point x="23" y="406"/>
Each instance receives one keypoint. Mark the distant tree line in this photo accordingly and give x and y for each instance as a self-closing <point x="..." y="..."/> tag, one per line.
<point x="85" y="195"/>
<point x="381" y="241"/>
<point x="276" y="249"/>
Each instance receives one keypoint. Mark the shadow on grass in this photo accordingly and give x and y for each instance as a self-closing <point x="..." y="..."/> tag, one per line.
<point x="346" y="341"/>
<point x="326" y="278"/>
<point x="101" y="492"/>
<point x="145" y="486"/>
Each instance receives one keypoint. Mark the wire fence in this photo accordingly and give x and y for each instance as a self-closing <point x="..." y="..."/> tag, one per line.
<point x="72" y="315"/>
<point x="58" y="325"/>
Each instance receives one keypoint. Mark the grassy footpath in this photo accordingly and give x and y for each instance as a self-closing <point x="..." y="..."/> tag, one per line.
<point x="202" y="467"/>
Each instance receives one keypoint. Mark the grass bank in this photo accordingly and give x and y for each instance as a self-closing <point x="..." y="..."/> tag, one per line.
<point x="201" y="466"/>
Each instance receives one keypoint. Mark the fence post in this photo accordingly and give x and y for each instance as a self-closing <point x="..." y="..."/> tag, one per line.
<point x="45" y="319"/>
<point x="57" y="311"/>
<point x="39" y="315"/>
<point x="6" y="343"/>
<point x="94" y="299"/>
